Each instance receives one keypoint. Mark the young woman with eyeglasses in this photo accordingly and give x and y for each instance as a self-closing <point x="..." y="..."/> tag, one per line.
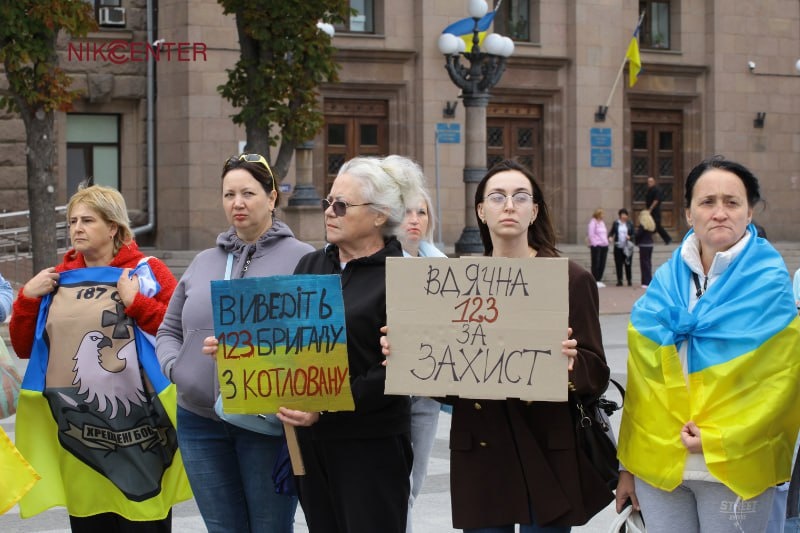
<point x="358" y="463"/>
<point x="516" y="462"/>
<point x="229" y="468"/>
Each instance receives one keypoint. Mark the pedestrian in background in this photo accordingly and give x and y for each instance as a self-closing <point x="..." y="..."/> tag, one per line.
<point x="653" y="199"/>
<point x="229" y="467"/>
<point x="358" y="463"/>
<point x="597" y="237"/>
<point x="644" y="240"/>
<point x="622" y="235"/>
<point x="713" y="342"/>
<point x="416" y="236"/>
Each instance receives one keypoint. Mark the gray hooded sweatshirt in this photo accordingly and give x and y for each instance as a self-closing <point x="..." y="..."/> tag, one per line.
<point x="189" y="318"/>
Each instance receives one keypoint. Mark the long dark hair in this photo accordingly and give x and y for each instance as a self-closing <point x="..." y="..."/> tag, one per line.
<point x="541" y="235"/>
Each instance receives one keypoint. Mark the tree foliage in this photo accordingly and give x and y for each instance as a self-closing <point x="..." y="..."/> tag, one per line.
<point x="37" y="88"/>
<point x="284" y="59"/>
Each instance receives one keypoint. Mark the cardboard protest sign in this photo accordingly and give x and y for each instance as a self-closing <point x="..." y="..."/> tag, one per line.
<point x="282" y="343"/>
<point x="477" y="327"/>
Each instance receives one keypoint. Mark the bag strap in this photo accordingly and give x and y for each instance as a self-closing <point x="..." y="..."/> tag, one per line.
<point x="229" y="266"/>
<point x="610" y="406"/>
<point x="620" y="519"/>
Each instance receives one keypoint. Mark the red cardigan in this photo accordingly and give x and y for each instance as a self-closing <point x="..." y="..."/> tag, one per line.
<point x="147" y="312"/>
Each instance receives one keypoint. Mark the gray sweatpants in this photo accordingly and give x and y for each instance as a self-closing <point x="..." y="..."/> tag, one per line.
<point x="702" y="506"/>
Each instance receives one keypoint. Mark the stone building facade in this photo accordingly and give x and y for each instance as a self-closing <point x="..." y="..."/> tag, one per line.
<point x="718" y="78"/>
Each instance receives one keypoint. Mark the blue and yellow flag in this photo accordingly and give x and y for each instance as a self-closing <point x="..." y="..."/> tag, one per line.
<point x="96" y="416"/>
<point x="463" y="28"/>
<point x="743" y="341"/>
<point x="634" y="59"/>
<point x="16" y="475"/>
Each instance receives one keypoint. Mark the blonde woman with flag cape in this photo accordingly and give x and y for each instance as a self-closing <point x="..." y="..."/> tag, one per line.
<point x="711" y="415"/>
<point x="96" y="415"/>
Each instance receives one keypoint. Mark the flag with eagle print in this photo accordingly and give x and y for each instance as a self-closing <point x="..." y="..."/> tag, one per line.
<point x="96" y="415"/>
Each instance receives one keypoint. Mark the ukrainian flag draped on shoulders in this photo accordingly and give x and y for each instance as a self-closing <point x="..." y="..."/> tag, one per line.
<point x="743" y="341"/>
<point x="96" y="417"/>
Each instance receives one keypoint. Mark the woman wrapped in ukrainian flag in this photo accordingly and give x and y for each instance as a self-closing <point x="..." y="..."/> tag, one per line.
<point x="96" y="415"/>
<point x="711" y="415"/>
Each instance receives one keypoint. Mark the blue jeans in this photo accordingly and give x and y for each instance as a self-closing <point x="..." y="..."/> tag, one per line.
<point x="230" y="471"/>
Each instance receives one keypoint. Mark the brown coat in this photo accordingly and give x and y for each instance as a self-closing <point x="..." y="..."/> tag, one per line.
<point x="509" y="456"/>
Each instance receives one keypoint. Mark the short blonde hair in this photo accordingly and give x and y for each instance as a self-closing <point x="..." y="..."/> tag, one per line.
<point x="110" y="205"/>
<point x="598" y="213"/>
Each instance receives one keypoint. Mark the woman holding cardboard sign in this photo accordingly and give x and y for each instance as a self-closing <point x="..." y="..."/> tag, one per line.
<point x="511" y="461"/>
<point x="228" y="466"/>
<point x="528" y="448"/>
<point x="358" y="463"/>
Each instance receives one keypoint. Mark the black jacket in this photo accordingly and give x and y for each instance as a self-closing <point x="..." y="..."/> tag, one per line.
<point x="364" y="294"/>
<point x="613" y="234"/>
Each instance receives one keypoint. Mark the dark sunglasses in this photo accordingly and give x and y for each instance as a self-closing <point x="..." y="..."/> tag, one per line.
<point x="339" y="206"/>
<point x="250" y="158"/>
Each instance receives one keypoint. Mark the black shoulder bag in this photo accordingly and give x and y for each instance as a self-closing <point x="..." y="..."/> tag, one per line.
<point x="595" y="436"/>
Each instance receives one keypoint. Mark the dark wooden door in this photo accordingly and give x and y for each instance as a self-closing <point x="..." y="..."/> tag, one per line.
<point x="656" y="148"/>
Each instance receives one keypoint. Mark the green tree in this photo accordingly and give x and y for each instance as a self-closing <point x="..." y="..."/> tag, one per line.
<point x="37" y="88"/>
<point x="284" y="59"/>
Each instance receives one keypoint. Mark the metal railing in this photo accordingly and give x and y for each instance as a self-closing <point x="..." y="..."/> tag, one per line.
<point x="15" y="241"/>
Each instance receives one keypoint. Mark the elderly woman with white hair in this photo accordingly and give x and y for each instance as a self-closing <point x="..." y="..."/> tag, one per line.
<point x="358" y="462"/>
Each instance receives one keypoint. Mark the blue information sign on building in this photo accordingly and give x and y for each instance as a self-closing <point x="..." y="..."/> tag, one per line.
<point x="601" y="146"/>
<point x="601" y="137"/>
<point x="448" y="132"/>
<point x="601" y="157"/>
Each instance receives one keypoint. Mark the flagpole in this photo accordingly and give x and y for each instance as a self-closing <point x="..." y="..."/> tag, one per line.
<point x="600" y="116"/>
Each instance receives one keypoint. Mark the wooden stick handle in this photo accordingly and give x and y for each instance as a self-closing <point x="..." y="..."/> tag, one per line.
<point x="298" y="468"/>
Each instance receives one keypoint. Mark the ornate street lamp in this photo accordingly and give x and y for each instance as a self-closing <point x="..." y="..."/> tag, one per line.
<point x="305" y="194"/>
<point x="483" y="72"/>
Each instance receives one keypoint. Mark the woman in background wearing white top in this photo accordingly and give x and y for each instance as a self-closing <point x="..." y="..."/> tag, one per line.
<point x="622" y="232"/>
<point x="416" y="235"/>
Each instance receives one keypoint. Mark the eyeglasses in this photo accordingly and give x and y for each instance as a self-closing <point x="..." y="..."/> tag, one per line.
<point x="339" y="206"/>
<point x="519" y="199"/>
<point x="250" y="158"/>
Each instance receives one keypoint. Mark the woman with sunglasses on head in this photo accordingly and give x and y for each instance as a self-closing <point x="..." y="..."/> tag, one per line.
<point x="229" y="467"/>
<point x="527" y="469"/>
<point x="358" y="463"/>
